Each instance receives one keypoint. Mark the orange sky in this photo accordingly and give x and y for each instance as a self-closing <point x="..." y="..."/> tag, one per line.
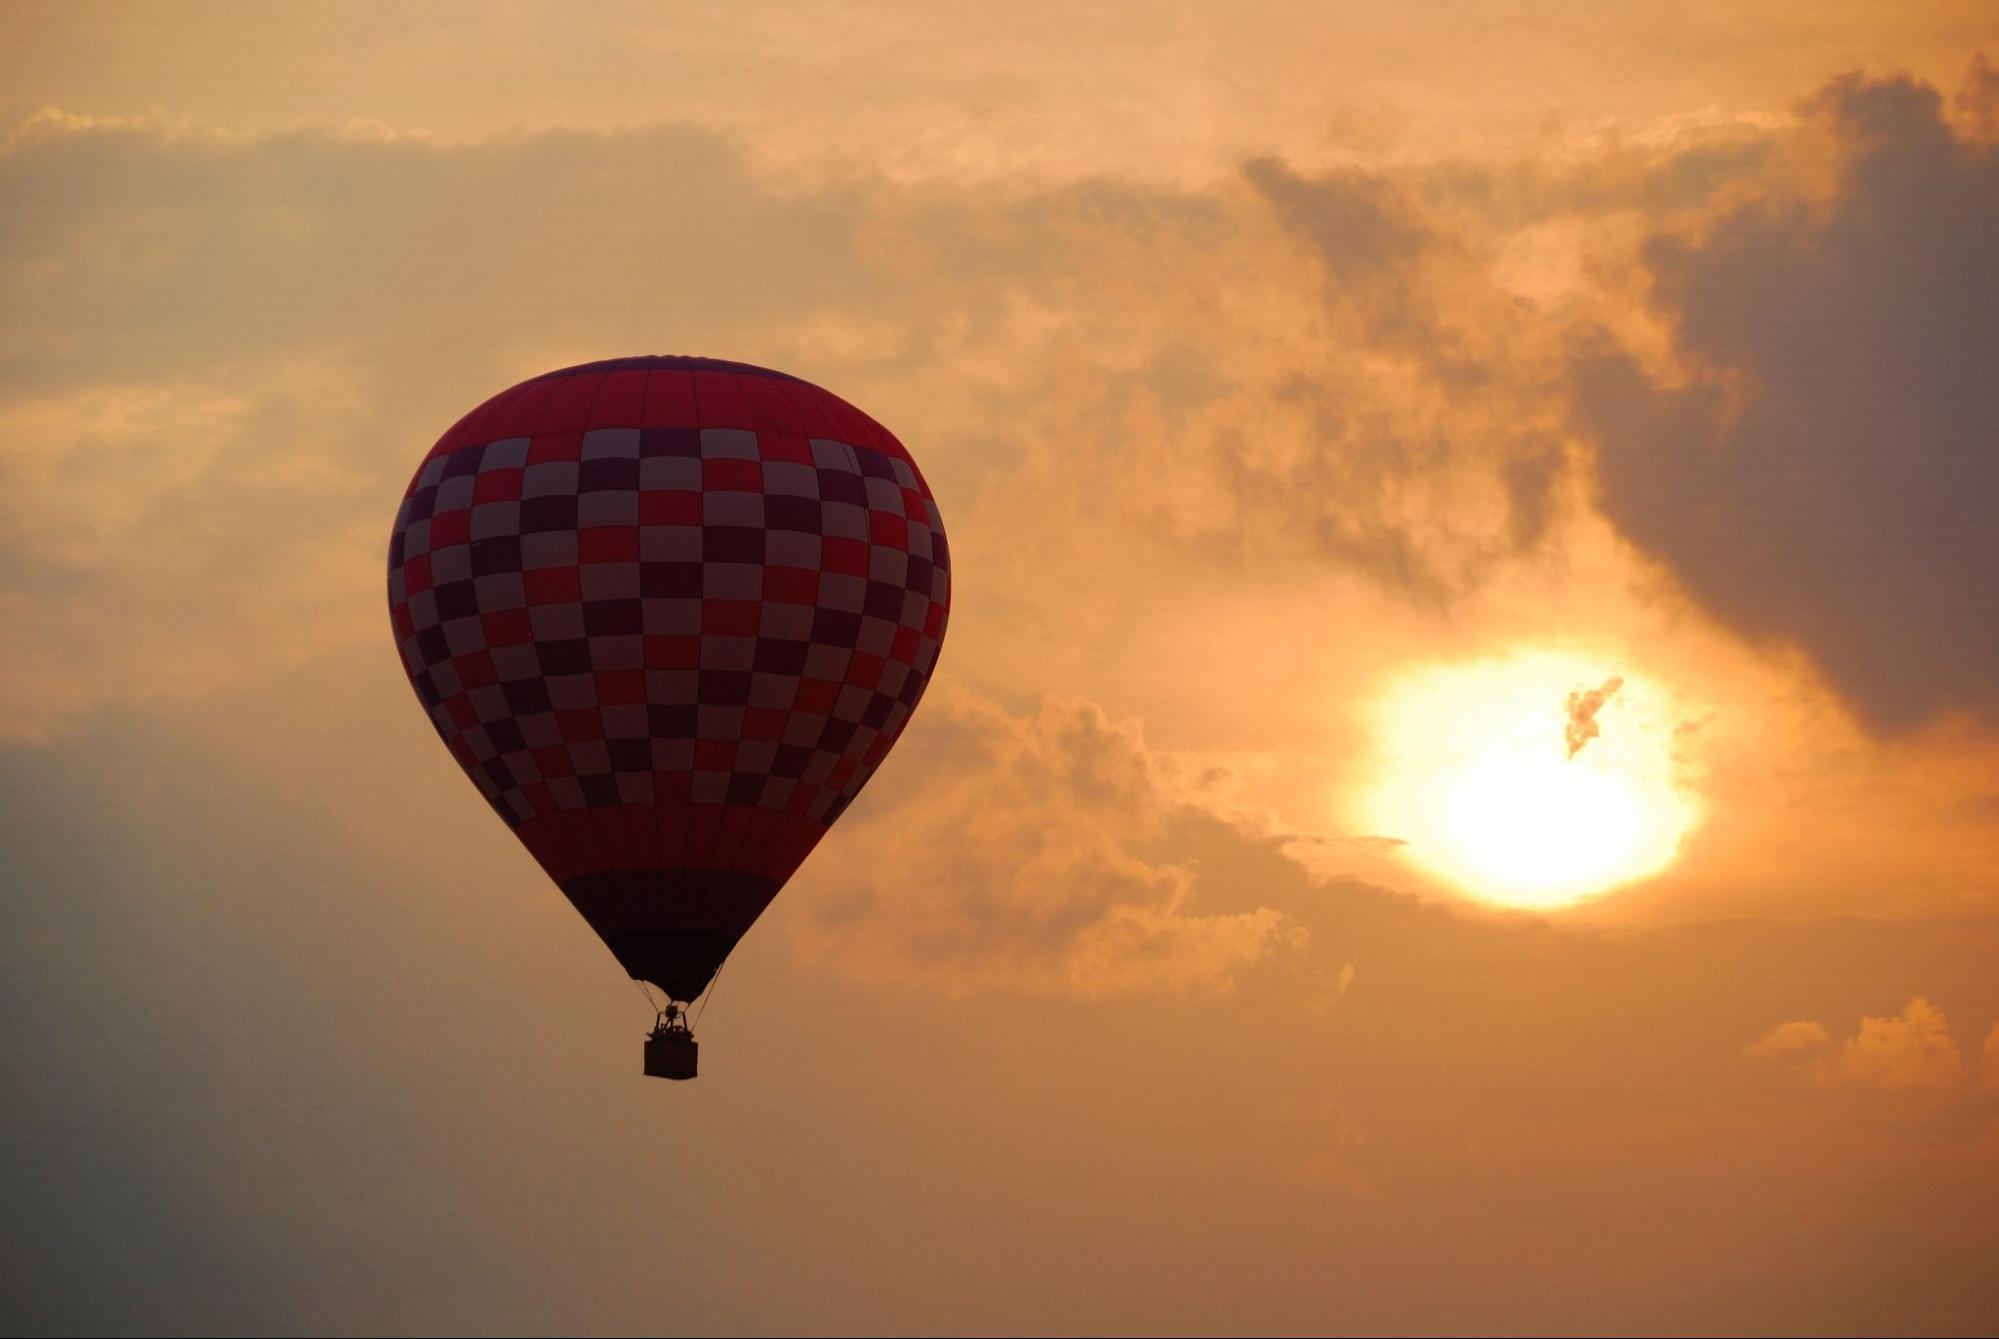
<point x="1305" y="386"/>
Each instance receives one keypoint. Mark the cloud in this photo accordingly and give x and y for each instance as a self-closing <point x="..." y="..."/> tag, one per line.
<point x="1582" y="707"/>
<point x="1226" y="458"/>
<point x="224" y="355"/>
<point x="1429" y="455"/>
<point x="1988" y="1061"/>
<point x="1328" y="383"/>
<point x="1016" y="851"/>
<point x="166" y="540"/>
<point x="1976" y="106"/>
<point x="1791" y="1039"/>
<point x="1374" y="243"/>
<point x="1824" y="472"/>
<point x="1911" y="1052"/>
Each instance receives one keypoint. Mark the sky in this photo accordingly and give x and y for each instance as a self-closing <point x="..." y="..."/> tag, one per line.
<point x="1462" y="788"/>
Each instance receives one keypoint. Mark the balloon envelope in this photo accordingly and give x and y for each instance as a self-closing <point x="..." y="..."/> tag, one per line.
<point x="669" y="614"/>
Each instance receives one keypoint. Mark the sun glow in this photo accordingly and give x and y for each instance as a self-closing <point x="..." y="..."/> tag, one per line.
<point x="1532" y="780"/>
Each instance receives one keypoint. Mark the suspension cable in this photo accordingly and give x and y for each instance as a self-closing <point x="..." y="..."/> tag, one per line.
<point x="709" y="993"/>
<point x="646" y="991"/>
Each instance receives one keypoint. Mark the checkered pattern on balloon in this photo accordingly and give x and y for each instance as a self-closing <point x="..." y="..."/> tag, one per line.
<point x="669" y="615"/>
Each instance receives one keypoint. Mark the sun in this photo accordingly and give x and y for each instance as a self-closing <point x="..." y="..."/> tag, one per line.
<point x="1534" y="779"/>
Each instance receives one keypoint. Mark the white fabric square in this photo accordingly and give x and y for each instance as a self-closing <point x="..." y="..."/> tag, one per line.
<point x="454" y="494"/>
<point x="729" y="443"/>
<point x="611" y="443"/>
<point x="452" y="563"/>
<point x="514" y="663"/>
<point x="671" y="473"/>
<point x="673" y="755"/>
<point x="884" y="495"/>
<point x="827" y="662"/>
<point x="556" y="622"/>
<point x="773" y="690"/>
<point x="670" y="543"/>
<point x="549" y="478"/>
<point x="548" y="548"/>
<point x="672" y="688"/>
<point x="480" y="743"/>
<point x="755" y="755"/>
<point x="718" y="722"/>
<point x="465" y="635"/>
<point x="590" y="757"/>
<point x="790" y="479"/>
<point x="610" y="581"/>
<point x="628" y="721"/>
<point x="828" y="454"/>
<point x="491" y="520"/>
<point x="505" y="454"/>
<point x="539" y="729"/>
<point x="790" y="621"/>
<point x="670" y="618"/>
<point x="846" y="520"/>
<point x="623" y="652"/>
<point x="500" y="590"/>
<point x="791" y="548"/>
<point x="732" y="581"/>
<point x="888" y="564"/>
<point x="607" y="506"/>
<point x="572" y="692"/>
<point x="728" y="653"/>
<point x="843" y="592"/>
<point x="876" y="637"/>
<point x="522" y="767"/>
<point x="732" y="508"/>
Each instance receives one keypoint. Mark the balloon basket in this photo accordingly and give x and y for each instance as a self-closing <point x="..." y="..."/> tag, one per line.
<point x="671" y="1053"/>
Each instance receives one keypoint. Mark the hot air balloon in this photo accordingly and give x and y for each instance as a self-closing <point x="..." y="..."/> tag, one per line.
<point x="669" y="614"/>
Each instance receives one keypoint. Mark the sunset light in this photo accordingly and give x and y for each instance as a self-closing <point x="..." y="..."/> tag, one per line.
<point x="1185" y="667"/>
<point x="1477" y="775"/>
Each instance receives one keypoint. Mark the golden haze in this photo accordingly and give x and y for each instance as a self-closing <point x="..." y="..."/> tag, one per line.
<point x="1321" y="396"/>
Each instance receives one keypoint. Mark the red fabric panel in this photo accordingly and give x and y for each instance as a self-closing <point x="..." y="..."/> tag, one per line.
<point x="669" y="401"/>
<point x="619" y="401"/>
